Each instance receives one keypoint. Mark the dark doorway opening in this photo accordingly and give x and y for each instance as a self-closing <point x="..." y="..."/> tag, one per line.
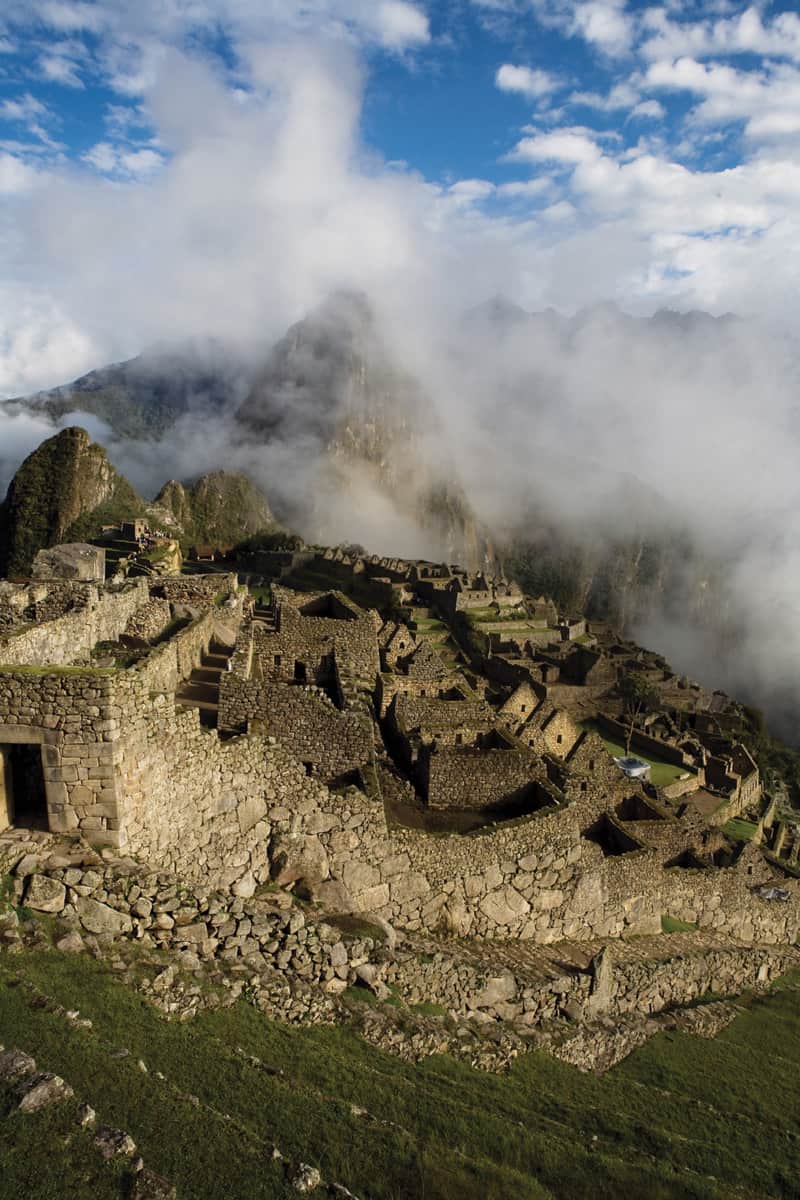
<point x="24" y="783"/>
<point x="300" y="675"/>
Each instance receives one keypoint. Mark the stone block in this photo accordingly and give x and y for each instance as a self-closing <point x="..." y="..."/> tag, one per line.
<point x="412" y="886"/>
<point x="373" y="899"/>
<point x="360" y="876"/>
<point x="505" y="906"/>
<point x="547" y="898"/>
<point x="44" y="894"/>
<point x="99" y="918"/>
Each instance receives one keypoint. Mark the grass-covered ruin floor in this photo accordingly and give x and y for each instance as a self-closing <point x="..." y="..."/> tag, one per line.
<point x="661" y="773"/>
<point x="682" y="1117"/>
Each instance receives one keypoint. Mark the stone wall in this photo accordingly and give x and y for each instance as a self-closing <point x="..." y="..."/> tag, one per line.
<point x="174" y="660"/>
<point x="644" y="742"/>
<point x="443" y="688"/>
<point x="466" y="777"/>
<point x="311" y="639"/>
<point x="332" y="744"/>
<point x="555" y="733"/>
<point x="75" y="717"/>
<point x="533" y="879"/>
<point x="122" y="898"/>
<point x="150" y="620"/>
<point x="439" y="718"/>
<point x="197" y="590"/>
<point x="99" y="615"/>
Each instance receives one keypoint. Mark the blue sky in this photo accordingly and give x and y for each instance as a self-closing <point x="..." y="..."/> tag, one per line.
<point x="432" y="99"/>
<point x="562" y="151"/>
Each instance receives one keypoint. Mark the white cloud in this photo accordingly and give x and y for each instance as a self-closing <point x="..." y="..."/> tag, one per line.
<point x="574" y="145"/>
<point x="559" y="212"/>
<point x="122" y="160"/>
<point x="35" y="116"/>
<point x="62" y="65"/>
<point x="71" y="17"/>
<point x="741" y="33"/>
<point x="606" y="25"/>
<point x="525" y="80"/>
<point x="651" y="109"/>
<point x="15" y="175"/>
<point x="767" y="101"/>
<point x="467" y="192"/>
<point x="131" y="37"/>
<point x="526" y="189"/>
<point x="622" y="95"/>
<point x="400" y="25"/>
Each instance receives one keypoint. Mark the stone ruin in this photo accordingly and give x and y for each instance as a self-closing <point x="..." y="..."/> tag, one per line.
<point x="353" y="760"/>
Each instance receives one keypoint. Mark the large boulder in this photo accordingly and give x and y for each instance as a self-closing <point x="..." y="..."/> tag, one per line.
<point x="99" y="918"/>
<point x="44" y="894"/>
<point x="301" y="859"/>
<point x="41" y="1091"/>
<point x="499" y="989"/>
<point x="73" y="560"/>
<point x="506" y="906"/>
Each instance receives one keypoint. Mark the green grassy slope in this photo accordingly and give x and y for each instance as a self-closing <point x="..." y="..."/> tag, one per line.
<point x="680" y="1118"/>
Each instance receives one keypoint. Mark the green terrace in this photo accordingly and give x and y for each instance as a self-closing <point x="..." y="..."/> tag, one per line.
<point x="739" y="829"/>
<point x="661" y="773"/>
<point x="683" y="1118"/>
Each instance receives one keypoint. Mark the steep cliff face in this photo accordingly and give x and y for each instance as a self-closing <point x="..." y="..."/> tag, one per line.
<point x="222" y="507"/>
<point x="359" y="426"/>
<point x="67" y="489"/>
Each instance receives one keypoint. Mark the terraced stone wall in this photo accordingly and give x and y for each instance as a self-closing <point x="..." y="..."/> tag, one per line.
<point x="100" y="615"/>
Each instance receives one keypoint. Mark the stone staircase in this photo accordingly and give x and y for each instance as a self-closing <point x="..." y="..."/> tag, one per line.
<point x="201" y="689"/>
<point x="265" y="615"/>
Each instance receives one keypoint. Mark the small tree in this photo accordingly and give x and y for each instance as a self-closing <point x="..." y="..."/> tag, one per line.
<point x="639" y="696"/>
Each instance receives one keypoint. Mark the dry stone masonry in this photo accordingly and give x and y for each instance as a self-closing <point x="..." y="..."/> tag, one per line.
<point x="399" y="769"/>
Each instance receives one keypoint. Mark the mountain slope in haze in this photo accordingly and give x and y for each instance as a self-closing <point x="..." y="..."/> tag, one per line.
<point x="358" y="454"/>
<point x="144" y="396"/>
<point x="64" y="490"/>
<point x="332" y="390"/>
<point x="331" y="377"/>
<point x="220" y="508"/>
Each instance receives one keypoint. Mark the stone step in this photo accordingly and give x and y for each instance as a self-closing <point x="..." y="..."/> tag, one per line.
<point x="216" y="660"/>
<point x="206" y="674"/>
<point x="193" y="689"/>
<point x="204" y="705"/>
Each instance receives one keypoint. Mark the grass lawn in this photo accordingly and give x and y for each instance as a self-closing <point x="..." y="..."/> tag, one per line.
<point x="676" y="925"/>
<point x="661" y="773"/>
<point x="739" y="829"/>
<point x="681" y="1118"/>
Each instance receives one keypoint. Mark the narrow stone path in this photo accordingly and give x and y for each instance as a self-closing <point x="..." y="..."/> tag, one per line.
<point x="201" y="689"/>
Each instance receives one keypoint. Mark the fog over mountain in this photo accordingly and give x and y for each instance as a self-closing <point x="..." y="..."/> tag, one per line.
<point x="645" y="465"/>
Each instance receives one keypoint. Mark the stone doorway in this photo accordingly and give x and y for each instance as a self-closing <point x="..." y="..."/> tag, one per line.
<point x="23" y="795"/>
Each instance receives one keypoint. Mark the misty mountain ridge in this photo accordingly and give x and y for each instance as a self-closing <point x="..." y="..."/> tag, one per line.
<point x="565" y="447"/>
<point x="144" y="396"/>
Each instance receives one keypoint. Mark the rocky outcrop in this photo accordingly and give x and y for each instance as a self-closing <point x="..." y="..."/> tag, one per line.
<point x="63" y="492"/>
<point x="218" y="509"/>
